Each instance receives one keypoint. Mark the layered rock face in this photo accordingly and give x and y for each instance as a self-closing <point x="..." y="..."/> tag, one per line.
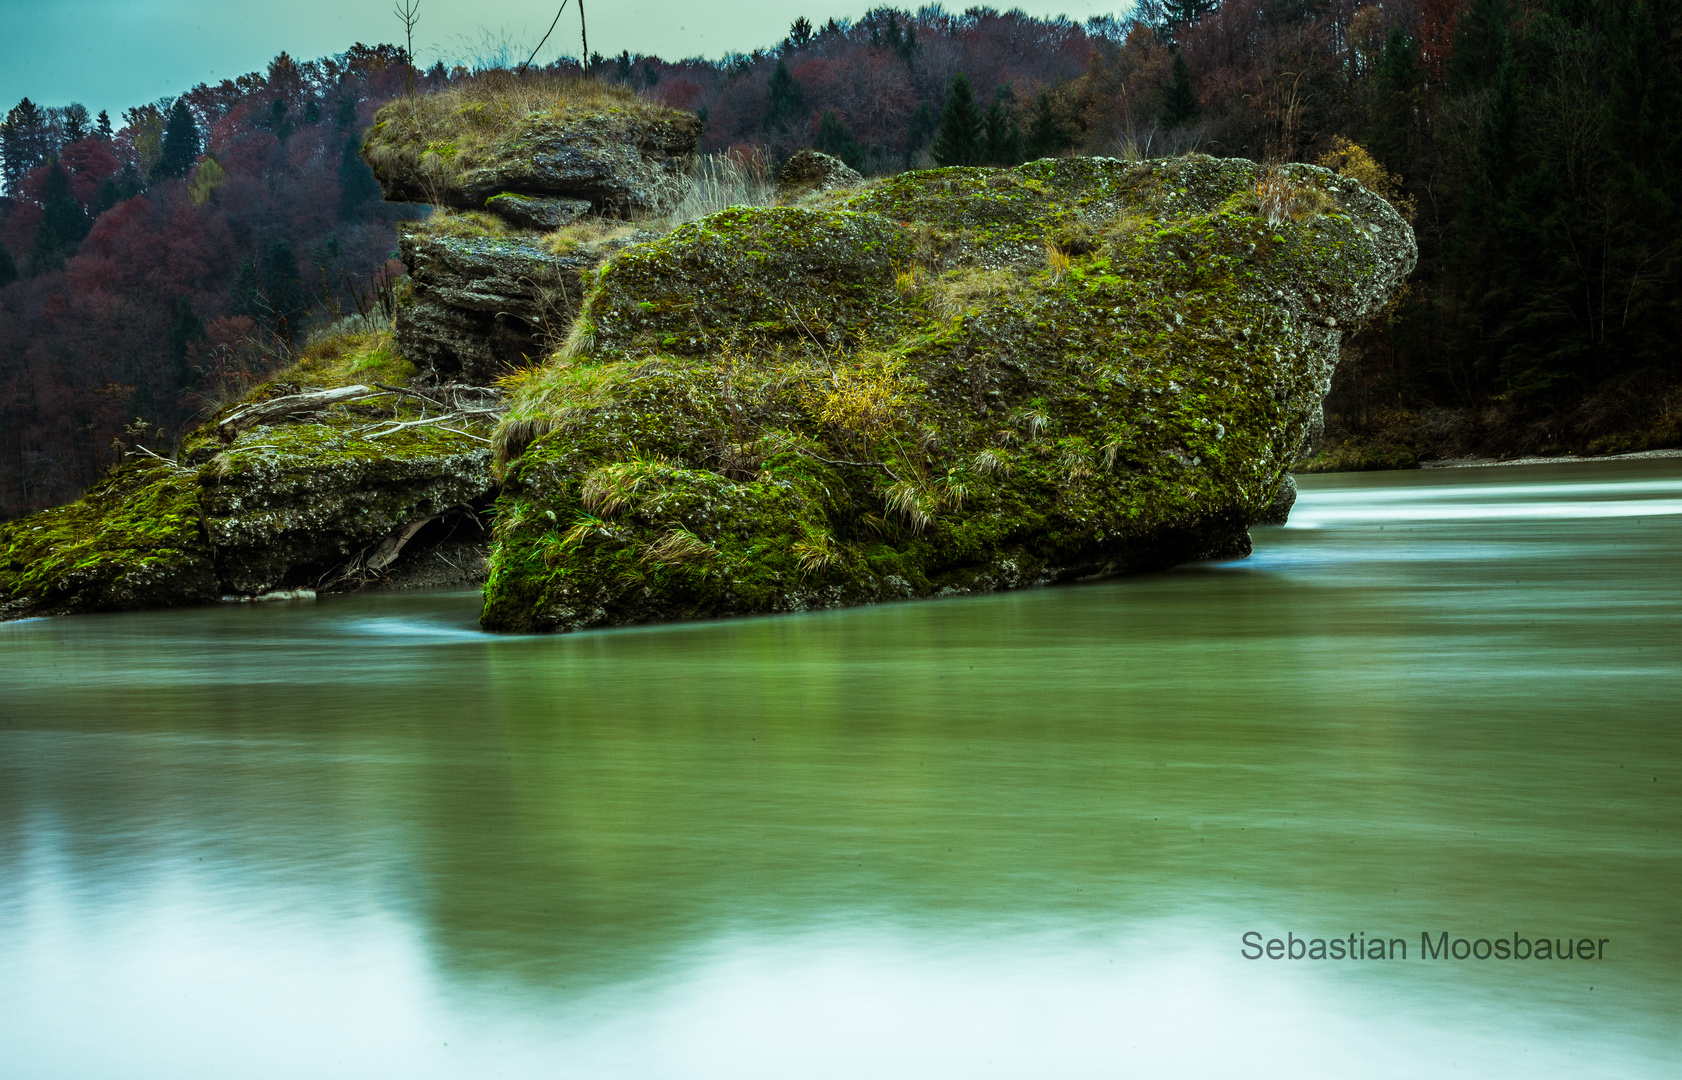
<point x="480" y="306"/>
<point x="944" y="382"/>
<point x="488" y="295"/>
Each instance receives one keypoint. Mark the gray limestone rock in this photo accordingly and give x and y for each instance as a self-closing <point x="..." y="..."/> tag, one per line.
<point x="536" y="212"/>
<point x="811" y="170"/>
<point x="624" y="163"/>
<point x="483" y="305"/>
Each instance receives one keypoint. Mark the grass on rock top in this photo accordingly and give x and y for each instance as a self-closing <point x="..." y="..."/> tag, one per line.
<point x="469" y="123"/>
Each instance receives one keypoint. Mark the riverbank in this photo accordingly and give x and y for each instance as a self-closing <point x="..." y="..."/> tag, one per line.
<point x="1610" y="423"/>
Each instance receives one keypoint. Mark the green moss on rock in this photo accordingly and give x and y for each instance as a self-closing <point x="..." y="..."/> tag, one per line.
<point x="787" y="408"/>
<point x="286" y="503"/>
<point x="134" y="540"/>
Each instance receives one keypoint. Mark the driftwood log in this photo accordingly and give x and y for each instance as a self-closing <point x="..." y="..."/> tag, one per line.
<point x="249" y="417"/>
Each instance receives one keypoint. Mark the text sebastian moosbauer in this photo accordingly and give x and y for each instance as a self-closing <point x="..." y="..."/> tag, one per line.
<point x="1359" y="946"/>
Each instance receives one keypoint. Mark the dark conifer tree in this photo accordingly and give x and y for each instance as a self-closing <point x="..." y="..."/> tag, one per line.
<point x="800" y="33"/>
<point x="77" y="124"/>
<point x="63" y="223"/>
<point x="919" y="132"/>
<point x="358" y="190"/>
<point x="24" y="142"/>
<point x="834" y="139"/>
<point x="115" y="188"/>
<point x="246" y="296"/>
<point x="1395" y="97"/>
<point x="103" y="127"/>
<point x="106" y="197"/>
<point x="1001" y="135"/>
<point x="787" y="98"/>
<point x="1046" y="136"/>
<point x="284" y="288"/>
<point x="279" y="122"/>
<point x="1186" y="11"/>
<point x="8" y="267"/>
<point x="187" y="329"/>
<point x="1480" y="44"/>
<point x="345" y="117"/>
<point x="1179" y="101"/>
<point x="128" y="183"/>
<point x="959" y="141"/>
<point x="181" y="143"/>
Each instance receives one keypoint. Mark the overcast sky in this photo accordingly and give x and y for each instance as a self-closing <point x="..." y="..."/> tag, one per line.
<point x="110" y="54"/>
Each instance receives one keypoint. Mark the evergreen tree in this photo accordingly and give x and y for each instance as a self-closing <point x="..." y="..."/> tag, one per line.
<point x="63" y="223"/>
<point x="103" y="127"/>
<point x="77" y="124"/>
<point x="921" y="129"/>
<point x="128" y="184"/>
<point x="622" y="66"/>
<point x="8" y="267"/>
<point x="1001" y="135"/>
<point x="1396" y="85"/>
<point x="787" y="98"/>
<point x="1176" y="12"/>
<point x="1046" y="136"/>
<point x="1179" y="100"/>
<point x="1480" y="44"/>
<point x="358" y="189"/>
<point x="25" y="142"/>
<point x="187" y="329"/>
<point x="246" y="296"/>
<point x="834" y="139"/>
<point x="959" y="141"/>
<point x="180" y="143"/>
<point x="800" y="33"/>
<point x="346" y="114"/>
<point x="284" y="288"/>
<point x="279" y="122"/>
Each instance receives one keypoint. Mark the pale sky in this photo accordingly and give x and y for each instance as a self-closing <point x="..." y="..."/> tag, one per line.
<point x="111" y="54"/>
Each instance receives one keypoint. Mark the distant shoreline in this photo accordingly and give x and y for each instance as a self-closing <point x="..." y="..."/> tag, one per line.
<point x="1478" y="463"/>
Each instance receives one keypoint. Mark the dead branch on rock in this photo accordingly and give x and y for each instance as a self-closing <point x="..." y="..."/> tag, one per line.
<point x="293" y="405"/>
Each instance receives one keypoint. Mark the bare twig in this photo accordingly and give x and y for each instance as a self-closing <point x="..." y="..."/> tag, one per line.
<point x="552" y="26"/>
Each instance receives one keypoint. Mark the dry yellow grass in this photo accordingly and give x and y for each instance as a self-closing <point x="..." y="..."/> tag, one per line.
<point x="1280" y="197"/>
<point x="459" y="127"/>
<point x="1352" y="160"/>
<point x="957" y="292"/>
<point x="866" y="398"/>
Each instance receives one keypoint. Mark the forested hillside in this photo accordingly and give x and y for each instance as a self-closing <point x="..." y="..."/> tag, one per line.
<point x="149" y="266"/>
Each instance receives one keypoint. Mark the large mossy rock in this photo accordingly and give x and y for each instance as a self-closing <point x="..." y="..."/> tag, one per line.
<point x="299" y="498"/>
<point x="945" y="382"/>
<point x="588" y="141"/>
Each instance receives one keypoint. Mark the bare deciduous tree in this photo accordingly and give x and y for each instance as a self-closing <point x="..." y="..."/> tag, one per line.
<point x="409" y="12"/>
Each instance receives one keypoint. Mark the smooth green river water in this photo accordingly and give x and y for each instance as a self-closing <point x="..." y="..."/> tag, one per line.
<point x="1006" y="836"/>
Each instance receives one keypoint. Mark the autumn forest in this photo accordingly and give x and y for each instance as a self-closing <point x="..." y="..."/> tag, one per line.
<point x="154" y="265"/>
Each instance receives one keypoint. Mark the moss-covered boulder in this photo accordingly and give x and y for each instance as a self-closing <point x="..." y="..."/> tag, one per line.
<point x="944" y="382"/>
<point x="541" y="136"/>
<point x="292" y="487"/>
